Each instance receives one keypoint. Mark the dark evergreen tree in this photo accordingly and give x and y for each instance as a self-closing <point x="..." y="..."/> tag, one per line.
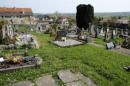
<point x="84" y="16"/>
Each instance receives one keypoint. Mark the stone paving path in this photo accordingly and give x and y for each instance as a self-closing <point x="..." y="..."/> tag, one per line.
<point x="45" y="81"/>
<point x="24" y="83"/>
<point x="67" y="77"/>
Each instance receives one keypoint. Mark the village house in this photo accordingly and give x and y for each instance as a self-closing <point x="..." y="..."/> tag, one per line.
<point x="17" y="15"/>
<point x="64" y="21"/>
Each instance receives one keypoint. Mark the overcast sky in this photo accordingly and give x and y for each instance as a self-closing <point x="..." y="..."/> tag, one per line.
<point x="68" y="6"/>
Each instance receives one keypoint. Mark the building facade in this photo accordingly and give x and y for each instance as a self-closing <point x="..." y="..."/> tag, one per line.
<point x="17" y="15"/>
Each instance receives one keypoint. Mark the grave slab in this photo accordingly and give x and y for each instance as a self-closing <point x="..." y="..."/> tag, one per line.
<point x="77" y="83"/>
<point x="67" y="43"/>
<point x="45" y="81"/>
<point x="66" y="76"/>
<point x="24" y="83"/>
<point x="86" y="80"/>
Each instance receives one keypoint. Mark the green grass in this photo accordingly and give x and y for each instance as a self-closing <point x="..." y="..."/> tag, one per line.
<point x="22" y="29"/>
<point x="100" y="40"/>
<point x="104" y="67"/>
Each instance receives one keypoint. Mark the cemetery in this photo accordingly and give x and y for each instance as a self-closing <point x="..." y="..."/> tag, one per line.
<point x="61" y="50"/>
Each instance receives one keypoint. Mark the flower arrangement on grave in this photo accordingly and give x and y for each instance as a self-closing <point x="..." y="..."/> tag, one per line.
<point x="14" y="59"/>
<point x="63" y="38"/>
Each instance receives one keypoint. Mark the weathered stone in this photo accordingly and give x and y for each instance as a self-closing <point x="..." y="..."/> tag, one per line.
<point x="110" y="45"/>
<point x="66" y="76"/>
<point x="32" y="45"/>
<point x="77" y="83"/>
<point x="45" y="81"/>
<point x="67" y="43"/>
<point x="86" y="80"/>
<point x="24" y="83"/>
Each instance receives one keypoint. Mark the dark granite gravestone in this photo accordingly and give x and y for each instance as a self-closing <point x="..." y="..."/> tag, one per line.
<point x="97" y="33"/>
<point x="110" y="45"/>
<point x="61" y="34"/>
<point x="126" y="43"/>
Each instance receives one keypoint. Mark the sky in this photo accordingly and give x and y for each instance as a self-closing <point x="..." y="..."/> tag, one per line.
<point x="68" y="6"/>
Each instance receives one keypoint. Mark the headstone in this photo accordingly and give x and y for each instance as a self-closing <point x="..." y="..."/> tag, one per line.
<point x="122" y="32"/>
<point x="9" y="31"/>
<point x="113" y="34"/>
<point x="60" y="34"/>
<point x="126" y="32"/>
<point x="83" y="35"/>
<point x="97" y="33"/>
<point x="106" y="36"/>
<point x="126" y="43"/>
<point x="110" y="45"/>
<point x="101" y="32"/>
<point x="38" y="28"/>
<point x="92" y="31"/>
<point x="107" y="29"/>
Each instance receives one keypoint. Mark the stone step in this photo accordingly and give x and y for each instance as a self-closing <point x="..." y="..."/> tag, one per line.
<point x="86" y="80"/>
<point x="77" y="83"/>
<point x="66" y="76"/>
<point x="45" y="81"/>
<point x="24" y="83"/>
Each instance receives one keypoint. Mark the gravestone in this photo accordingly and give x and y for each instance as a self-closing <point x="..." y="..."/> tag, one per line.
<point x="92" y="31"/>
<point x="106" y="36"/>
<point x="110" y="45"/>
<point x="82" y="35"/>
<point x="122" y="32"/>
<point x="113" y="34"/>
<point x="101" y="32"/>
<point x="108" y="29"/>
<point x="60" y="34"/>
<point x="126" y="32"/>
<point x="126" y="43"/>
<point x="39" y="28"/>
<point x="97" y="33"/>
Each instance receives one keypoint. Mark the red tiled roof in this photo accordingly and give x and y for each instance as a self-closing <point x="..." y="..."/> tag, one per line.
<point x="15" y="11"/>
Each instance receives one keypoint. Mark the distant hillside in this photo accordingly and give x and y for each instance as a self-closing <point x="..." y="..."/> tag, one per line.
<point x="114" y="13"/>
<point x="103" y="14"/>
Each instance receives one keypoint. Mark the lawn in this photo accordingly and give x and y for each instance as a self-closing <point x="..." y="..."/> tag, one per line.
<point x="104" y="67"/>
